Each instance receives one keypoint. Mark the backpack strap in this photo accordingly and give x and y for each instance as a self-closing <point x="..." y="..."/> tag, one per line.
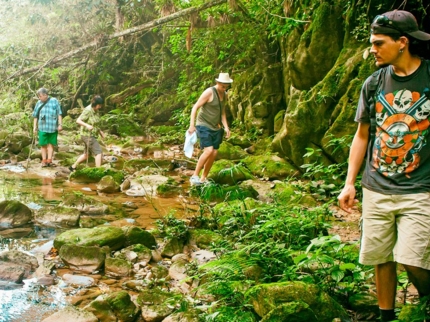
<point x="374" y="87"/>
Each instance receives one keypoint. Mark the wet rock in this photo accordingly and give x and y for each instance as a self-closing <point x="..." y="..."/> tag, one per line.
<point x="145" y="185"/>
<point x="136" y="235"/>
<point x="58" y="217"/>
<point x="154" y="305"/>
<point x="16" y="266"/>
<point x="78" y="280"/>
<point x="14" y="214"/>
<point x="46" y="280"/>
<point x="16" y="232"/>
<point x="84" y="258"/>
<point x="171" y="247"/>
<point x="100" y="236"/>
<point x="135" y="253"/>
<point x="107" y="184"/>
<point x="114" y="307"/>
<point x="85" y="204"/>
<point x="71" y="314"/>
<point x="118" y="267"/>
<point x="89" y="175"/>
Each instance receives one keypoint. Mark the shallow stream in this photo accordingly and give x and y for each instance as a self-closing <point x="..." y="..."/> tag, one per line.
<point x="32" y="302"/>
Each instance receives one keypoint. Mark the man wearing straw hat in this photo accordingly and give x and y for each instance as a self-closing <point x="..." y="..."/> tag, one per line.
<point x="210" y="126"/>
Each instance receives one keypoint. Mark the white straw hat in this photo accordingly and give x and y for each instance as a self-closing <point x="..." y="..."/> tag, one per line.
<point x="224" y="78"/>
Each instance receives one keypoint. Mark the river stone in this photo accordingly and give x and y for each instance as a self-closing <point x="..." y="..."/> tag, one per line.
<point x="14" y="214"/>
<point x="118" y="267"/>
<point x="15" y="142"/>
<point x="16" y="232"/>
<point x="178" y="270"/>
<point x="154" y="304"/>
<point x="16" y="266"/>
<point x="58" y="217"/>
<point x="84" y="258"/>
<point x="171" y="247"/>
<point x="98" y="236"/>
<point x="191" y="316"/>
<point x="122" y="306"/>
<point x="136" y="235"/>
<point x="203" y="256"/>
<point x="107" y="184"/>
<point x="135" y="254"/>
<point x="145" y="185"/>
<point x="71" y="314"/>
<point x="265" y="297"/>
<point x="85" y="204"/>
<point x="78" y="280"/>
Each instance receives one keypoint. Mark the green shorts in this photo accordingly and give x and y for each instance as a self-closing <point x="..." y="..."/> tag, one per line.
<point x="91" y="145"/>
<point x="47" y="138"/>
<point x="395" y="228"/>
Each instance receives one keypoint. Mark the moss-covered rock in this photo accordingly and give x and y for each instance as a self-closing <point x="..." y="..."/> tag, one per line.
<point x="270" y="166"/>
<point x="121" y="124"/>
<point x="135" y="165"/>
<point x="83" y="203"/>
<point x="137" y="235"/>
<point x="135" y="253"/>
<point x="203" y="238"/>
<point x="92" y="175"/>
<point x="58" y="217"/>
<point x="266" y="297"/>
<point x="167" y="190"/>
<point x="118" y="267"/>
<point x="292" y="311"/>
<point x="229" y="151"/>
<point x="14" y="214"/>
<point x="225" y="172"/>
<point x="85" y="258"/>
<point x="108" y="184"/>
<point x="155" y="305"/>
<point x="113" y="237"/>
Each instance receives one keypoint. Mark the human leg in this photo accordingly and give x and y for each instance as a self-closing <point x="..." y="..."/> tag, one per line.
<point x="50" y="153"/>
<point x="43" y="151"/>
<point x="207" y="152"/>
<point x="420" y="278"/>
<point x="98" y="159"/>
<point x="386" y="284"/>
<point x="377" y="243"/>
<point x="208" y="164"/>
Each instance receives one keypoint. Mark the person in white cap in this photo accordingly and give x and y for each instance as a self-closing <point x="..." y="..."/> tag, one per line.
<point x="211" y="124"/>
<point x="393" y="129"/>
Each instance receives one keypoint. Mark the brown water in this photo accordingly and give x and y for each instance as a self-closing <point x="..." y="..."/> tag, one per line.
<point x="32" y="302"/>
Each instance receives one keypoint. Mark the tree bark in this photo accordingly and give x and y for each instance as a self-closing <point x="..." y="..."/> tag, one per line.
<point x="146" y="26"/>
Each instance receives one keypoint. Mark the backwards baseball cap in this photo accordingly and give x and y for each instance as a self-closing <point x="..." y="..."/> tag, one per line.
<point x="398" y="21"/>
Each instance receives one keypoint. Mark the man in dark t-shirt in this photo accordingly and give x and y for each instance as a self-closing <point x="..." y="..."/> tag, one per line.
<point x="393" y="128"/>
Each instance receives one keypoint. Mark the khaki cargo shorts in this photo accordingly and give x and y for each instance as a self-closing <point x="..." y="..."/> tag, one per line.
<point x="395" y="228"/>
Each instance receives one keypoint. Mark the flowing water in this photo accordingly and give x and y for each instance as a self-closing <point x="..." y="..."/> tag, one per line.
<point x="31" y="302"/>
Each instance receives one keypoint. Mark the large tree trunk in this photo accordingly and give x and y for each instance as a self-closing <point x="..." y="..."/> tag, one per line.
<point x="123" y="33"/>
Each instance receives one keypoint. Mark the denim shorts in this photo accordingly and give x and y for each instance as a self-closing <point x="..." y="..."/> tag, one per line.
<point x="396" y="228"/>
<point x="209" y="137"/>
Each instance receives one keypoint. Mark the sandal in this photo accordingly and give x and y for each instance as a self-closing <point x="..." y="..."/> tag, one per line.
<point x="45" y="163"/>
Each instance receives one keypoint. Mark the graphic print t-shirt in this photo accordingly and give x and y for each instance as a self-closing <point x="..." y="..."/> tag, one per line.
<point x="398" y="158"/>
